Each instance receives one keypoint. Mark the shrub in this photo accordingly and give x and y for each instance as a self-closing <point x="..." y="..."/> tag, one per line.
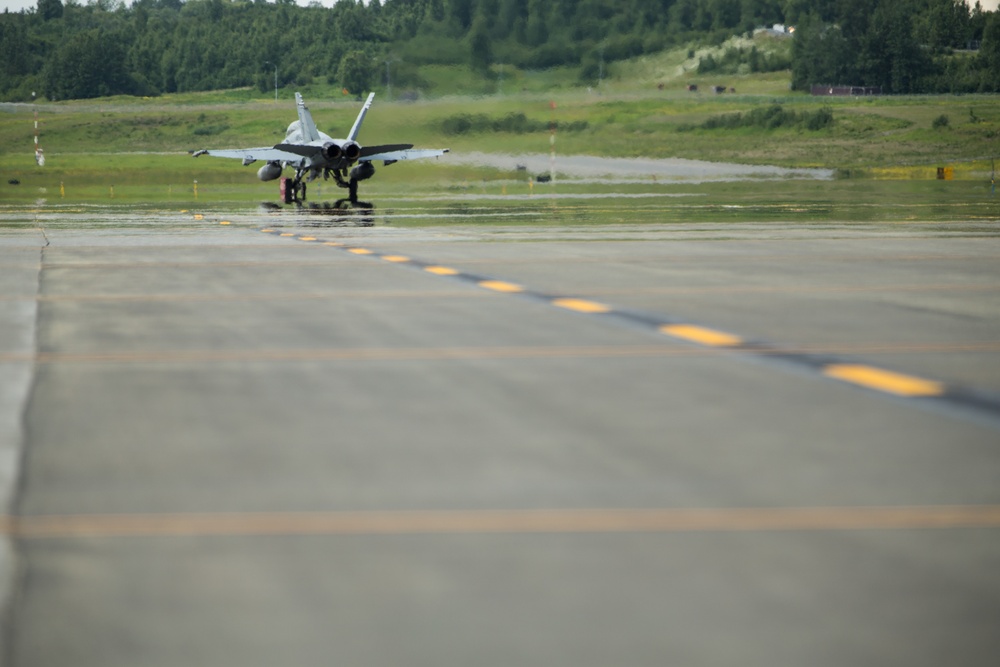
<point x="514" y="123"/>
<point x="819" y="119"/>
<point x="768" y="118"/>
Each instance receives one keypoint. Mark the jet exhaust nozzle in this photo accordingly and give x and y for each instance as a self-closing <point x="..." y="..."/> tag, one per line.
<point x="332" y="151"/>
<point x="352" y="151"/>
<point x="269" y="171"/>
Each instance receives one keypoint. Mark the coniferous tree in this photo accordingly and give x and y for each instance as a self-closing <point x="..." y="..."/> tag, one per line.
<point x="158" y="46"/>
<point x="481" y="51"/>
<point x="50" y="9"/>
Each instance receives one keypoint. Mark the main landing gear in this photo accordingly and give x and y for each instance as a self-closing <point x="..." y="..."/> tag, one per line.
<point x="351" y="185"/>
<point x="363" y="171"/>
<point x="293" y="190"/>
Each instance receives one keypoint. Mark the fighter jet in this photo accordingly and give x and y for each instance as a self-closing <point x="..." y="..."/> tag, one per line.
<point x="312" y="153"/>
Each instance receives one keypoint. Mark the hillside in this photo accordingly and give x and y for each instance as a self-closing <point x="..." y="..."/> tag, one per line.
<point x="71" y="50"/>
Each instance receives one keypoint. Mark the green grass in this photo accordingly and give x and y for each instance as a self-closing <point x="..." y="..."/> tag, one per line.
<point x="139" y="145"/>
<point x="866" y="133"/>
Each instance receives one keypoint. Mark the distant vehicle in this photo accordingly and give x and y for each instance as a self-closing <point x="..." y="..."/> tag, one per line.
<point x="312" y="153"/>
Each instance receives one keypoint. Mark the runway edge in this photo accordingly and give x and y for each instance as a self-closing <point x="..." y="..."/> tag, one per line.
<point x="20" y="283"/>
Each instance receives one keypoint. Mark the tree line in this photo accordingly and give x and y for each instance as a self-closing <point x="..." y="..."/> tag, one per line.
<point x="68" y="50"/>
<point x="901" y="46"/>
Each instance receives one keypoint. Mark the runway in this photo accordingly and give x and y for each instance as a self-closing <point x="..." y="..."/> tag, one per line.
<point x="252" y="439"/>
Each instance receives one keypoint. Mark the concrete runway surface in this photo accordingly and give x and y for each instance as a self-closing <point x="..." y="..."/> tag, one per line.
<point x="263" y="443"/>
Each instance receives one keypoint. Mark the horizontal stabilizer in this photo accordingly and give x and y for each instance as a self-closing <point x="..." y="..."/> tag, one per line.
<point x="297" y="149"/>
<point x="378" y="150"/>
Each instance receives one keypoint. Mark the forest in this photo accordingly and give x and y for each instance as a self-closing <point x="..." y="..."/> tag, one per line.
<point x="68" y="50"/>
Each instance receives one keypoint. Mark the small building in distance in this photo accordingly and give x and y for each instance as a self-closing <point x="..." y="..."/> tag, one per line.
<point x="777" y="30"/>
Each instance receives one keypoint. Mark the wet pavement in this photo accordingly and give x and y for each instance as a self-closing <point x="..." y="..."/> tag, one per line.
<point x="253" y="437"/>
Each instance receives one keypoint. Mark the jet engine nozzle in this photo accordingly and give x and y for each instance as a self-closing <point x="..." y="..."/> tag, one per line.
<point x="352" y="151"/>
<point x="269" y="171"/>
<point x="332" y="151"/>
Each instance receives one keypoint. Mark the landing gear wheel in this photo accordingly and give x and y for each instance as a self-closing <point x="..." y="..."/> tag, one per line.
<point x="292" y="191"/>
<point x="287" y="189"/>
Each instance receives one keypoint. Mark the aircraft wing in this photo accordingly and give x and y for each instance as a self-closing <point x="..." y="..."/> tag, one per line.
<point x="407" y="154"/>
<point x="248" y="155"/>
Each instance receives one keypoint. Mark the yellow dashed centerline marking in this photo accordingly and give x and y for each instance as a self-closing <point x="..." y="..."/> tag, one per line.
<point x="701" y="335"/>
<point x="540" y="521"/>
<point x="883" y="380"/>
<point x="267" y="231"/>
<point x="859" y="374"/>
<point x="501" y="286"/>
<point x="581" y="305"/>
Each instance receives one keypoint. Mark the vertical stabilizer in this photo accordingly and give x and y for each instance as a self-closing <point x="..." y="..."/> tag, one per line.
<point x="309" y="131"/>
<point x="353" y="136"/>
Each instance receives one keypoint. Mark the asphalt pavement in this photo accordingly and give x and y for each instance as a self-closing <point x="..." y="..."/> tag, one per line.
<point x="262" y="440"/>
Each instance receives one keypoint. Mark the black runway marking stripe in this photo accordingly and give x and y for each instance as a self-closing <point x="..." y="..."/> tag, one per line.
<point x="925" y="393"/>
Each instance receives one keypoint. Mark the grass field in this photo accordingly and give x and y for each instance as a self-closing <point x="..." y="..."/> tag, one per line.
<point x="133" y="149"/>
